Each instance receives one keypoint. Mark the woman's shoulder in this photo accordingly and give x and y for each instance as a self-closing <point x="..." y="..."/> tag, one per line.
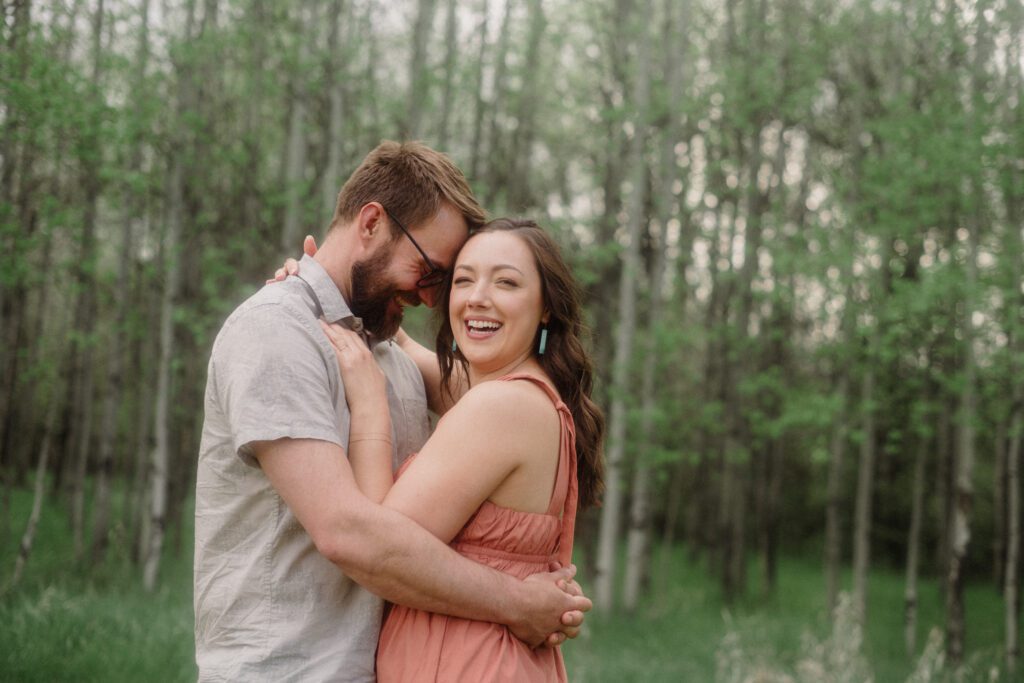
<point x="505" y="404"/>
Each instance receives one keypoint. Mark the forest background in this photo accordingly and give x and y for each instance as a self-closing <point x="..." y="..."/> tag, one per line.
<point x="798" y="224"/>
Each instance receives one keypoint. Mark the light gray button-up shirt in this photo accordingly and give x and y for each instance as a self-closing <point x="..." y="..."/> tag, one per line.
<point x="268" y="606"/>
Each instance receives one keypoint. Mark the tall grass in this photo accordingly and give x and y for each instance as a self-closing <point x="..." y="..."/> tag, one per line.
<point x="64" y="623"/>
<point x="67" y="621"/>
<point x="686" y="633"/>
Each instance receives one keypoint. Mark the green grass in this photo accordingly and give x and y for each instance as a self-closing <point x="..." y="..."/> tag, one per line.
<point x="66" y="624"/>
<point x="678" y="633"/>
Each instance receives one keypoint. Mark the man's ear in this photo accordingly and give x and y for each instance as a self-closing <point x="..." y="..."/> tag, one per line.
<point x="370" y="222"/>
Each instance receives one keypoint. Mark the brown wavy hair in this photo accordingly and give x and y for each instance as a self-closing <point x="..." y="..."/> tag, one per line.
<point x="565" y="360"/>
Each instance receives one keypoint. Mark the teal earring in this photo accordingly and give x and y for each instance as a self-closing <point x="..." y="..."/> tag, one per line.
<point x="543" y="341"/>
<point x="454" y="347"/>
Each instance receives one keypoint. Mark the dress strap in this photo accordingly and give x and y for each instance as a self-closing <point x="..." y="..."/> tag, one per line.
<point x="565" y="495"/>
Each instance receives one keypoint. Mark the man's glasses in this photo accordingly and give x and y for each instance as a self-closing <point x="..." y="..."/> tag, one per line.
<point x="435" y="273"/>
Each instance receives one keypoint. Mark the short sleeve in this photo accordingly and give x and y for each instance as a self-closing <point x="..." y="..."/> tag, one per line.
<point x="274" y="380"/>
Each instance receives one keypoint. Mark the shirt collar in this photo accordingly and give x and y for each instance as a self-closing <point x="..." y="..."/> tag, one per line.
<point x="332" y="304"/>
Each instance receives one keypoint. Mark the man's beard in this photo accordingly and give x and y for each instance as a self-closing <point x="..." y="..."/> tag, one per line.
<point x="372" y="295"/>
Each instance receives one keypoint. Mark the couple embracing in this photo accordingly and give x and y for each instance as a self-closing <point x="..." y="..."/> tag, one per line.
<point x="320" y="491"/>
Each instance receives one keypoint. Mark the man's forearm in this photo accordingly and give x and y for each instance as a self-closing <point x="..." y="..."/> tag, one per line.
<point x="395" y="558"/>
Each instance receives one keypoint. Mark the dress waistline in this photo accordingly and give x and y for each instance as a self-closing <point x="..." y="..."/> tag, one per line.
<point x="505" y="555"/>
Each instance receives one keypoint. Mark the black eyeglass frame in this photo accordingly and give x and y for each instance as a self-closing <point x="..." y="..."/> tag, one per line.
<point x="436" y="275"/>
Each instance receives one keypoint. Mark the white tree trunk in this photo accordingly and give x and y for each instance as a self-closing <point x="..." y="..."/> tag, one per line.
<point x="28" y="538"/>
<point x="161" y="451"/>
<point x="611" y="510"/>
<point x="295" y="154"/>
<point x="963" y="487"/>
<point x="638" y="542"/>
<point x="115" y="364"/>
<point x="1015" y="323"/>
<point x="419" y="72"/>
<point x="451" y="36"/>
<point x="158" y="481"/>
<point x="1011" y="595"/>
<point x="331" y="182"/>
<point x="833" y="524"/>
<point x="87" y="306"/>
<point x="914" y="549"/>
<point x="480" y="105"/>
<point x="865" y="492"/>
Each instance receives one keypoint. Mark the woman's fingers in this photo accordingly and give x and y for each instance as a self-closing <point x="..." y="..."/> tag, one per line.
<point x="346" y="342"/>
<point x="336" y="334"/>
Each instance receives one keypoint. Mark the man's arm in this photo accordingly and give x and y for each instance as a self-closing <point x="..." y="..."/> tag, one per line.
<point x="393" y="557"/>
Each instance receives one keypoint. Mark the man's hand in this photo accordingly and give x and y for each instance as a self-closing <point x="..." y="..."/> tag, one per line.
<point x="552" y="608"/>
<point x="291" y="266"/>
<point x="571" y="621"/>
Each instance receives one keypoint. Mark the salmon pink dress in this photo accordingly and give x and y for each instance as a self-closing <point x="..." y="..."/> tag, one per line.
<point x="420" y="646"/>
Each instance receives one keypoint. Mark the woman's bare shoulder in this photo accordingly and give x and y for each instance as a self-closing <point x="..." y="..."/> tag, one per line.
<point x="503" y="408"/>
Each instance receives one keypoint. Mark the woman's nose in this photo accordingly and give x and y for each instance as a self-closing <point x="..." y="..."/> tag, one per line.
<point x="479" y="295"/>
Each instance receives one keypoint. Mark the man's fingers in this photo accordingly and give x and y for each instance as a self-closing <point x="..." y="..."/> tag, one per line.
<point x="573" y="619"/>
<point x="555" y="639"/>
<point x="564" y="573"/>
<point x="582" y="603"/>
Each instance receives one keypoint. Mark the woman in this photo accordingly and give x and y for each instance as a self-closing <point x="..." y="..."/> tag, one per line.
<point x="518" y="446"/>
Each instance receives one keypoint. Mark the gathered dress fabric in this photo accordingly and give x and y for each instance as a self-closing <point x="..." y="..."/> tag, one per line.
<point x="417" y="646"/>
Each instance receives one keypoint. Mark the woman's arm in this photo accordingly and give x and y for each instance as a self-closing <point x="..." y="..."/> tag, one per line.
<point x="498" y="431"/>
<point x="426" y="360"/>
<point x="369" y="441"/>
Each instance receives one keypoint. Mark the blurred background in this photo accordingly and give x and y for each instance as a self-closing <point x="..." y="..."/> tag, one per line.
<point x="798" y="225"/>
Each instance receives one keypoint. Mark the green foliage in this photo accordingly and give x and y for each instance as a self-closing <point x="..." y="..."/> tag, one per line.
<point x="861" y="146"/>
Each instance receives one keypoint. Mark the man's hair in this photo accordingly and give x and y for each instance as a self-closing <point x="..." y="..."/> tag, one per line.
<point x="411" y="181"/>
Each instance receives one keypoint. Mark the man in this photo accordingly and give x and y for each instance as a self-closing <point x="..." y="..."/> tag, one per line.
<point x="286" y="545"/>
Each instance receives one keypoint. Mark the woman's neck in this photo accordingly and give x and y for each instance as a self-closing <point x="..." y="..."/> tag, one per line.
<point x="526" y="363"/>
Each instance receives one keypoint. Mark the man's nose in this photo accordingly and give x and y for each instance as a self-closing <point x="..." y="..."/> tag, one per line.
<point x="429" y="295"/>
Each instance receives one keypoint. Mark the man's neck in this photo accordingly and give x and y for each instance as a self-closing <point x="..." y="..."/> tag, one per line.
<point x="335" y="257"/>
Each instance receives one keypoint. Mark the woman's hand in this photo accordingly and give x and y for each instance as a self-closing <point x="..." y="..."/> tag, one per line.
<point x="291" y="266"/>
<point x="365" y="384"/>
<point x="369" y="439"/>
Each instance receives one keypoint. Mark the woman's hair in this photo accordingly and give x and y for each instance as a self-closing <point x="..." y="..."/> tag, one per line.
<point x="564" y="359"/>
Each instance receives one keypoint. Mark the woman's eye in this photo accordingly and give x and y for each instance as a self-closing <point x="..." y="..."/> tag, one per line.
<point x="507" y="283"/>
<point x="460" y="280"/>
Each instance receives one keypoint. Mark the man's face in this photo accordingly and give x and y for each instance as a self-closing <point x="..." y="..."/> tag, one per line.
<point x="384" y="282"/>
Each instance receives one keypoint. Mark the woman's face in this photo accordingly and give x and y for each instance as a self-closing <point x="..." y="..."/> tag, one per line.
<point x="496" y="305"/>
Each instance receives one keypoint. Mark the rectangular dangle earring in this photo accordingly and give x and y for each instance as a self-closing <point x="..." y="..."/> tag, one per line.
<point x="543" y="341"/>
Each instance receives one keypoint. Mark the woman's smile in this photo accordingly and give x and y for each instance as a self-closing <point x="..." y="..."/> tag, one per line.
<point x="496" y="307"/>
<point x="482" y="328"/>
